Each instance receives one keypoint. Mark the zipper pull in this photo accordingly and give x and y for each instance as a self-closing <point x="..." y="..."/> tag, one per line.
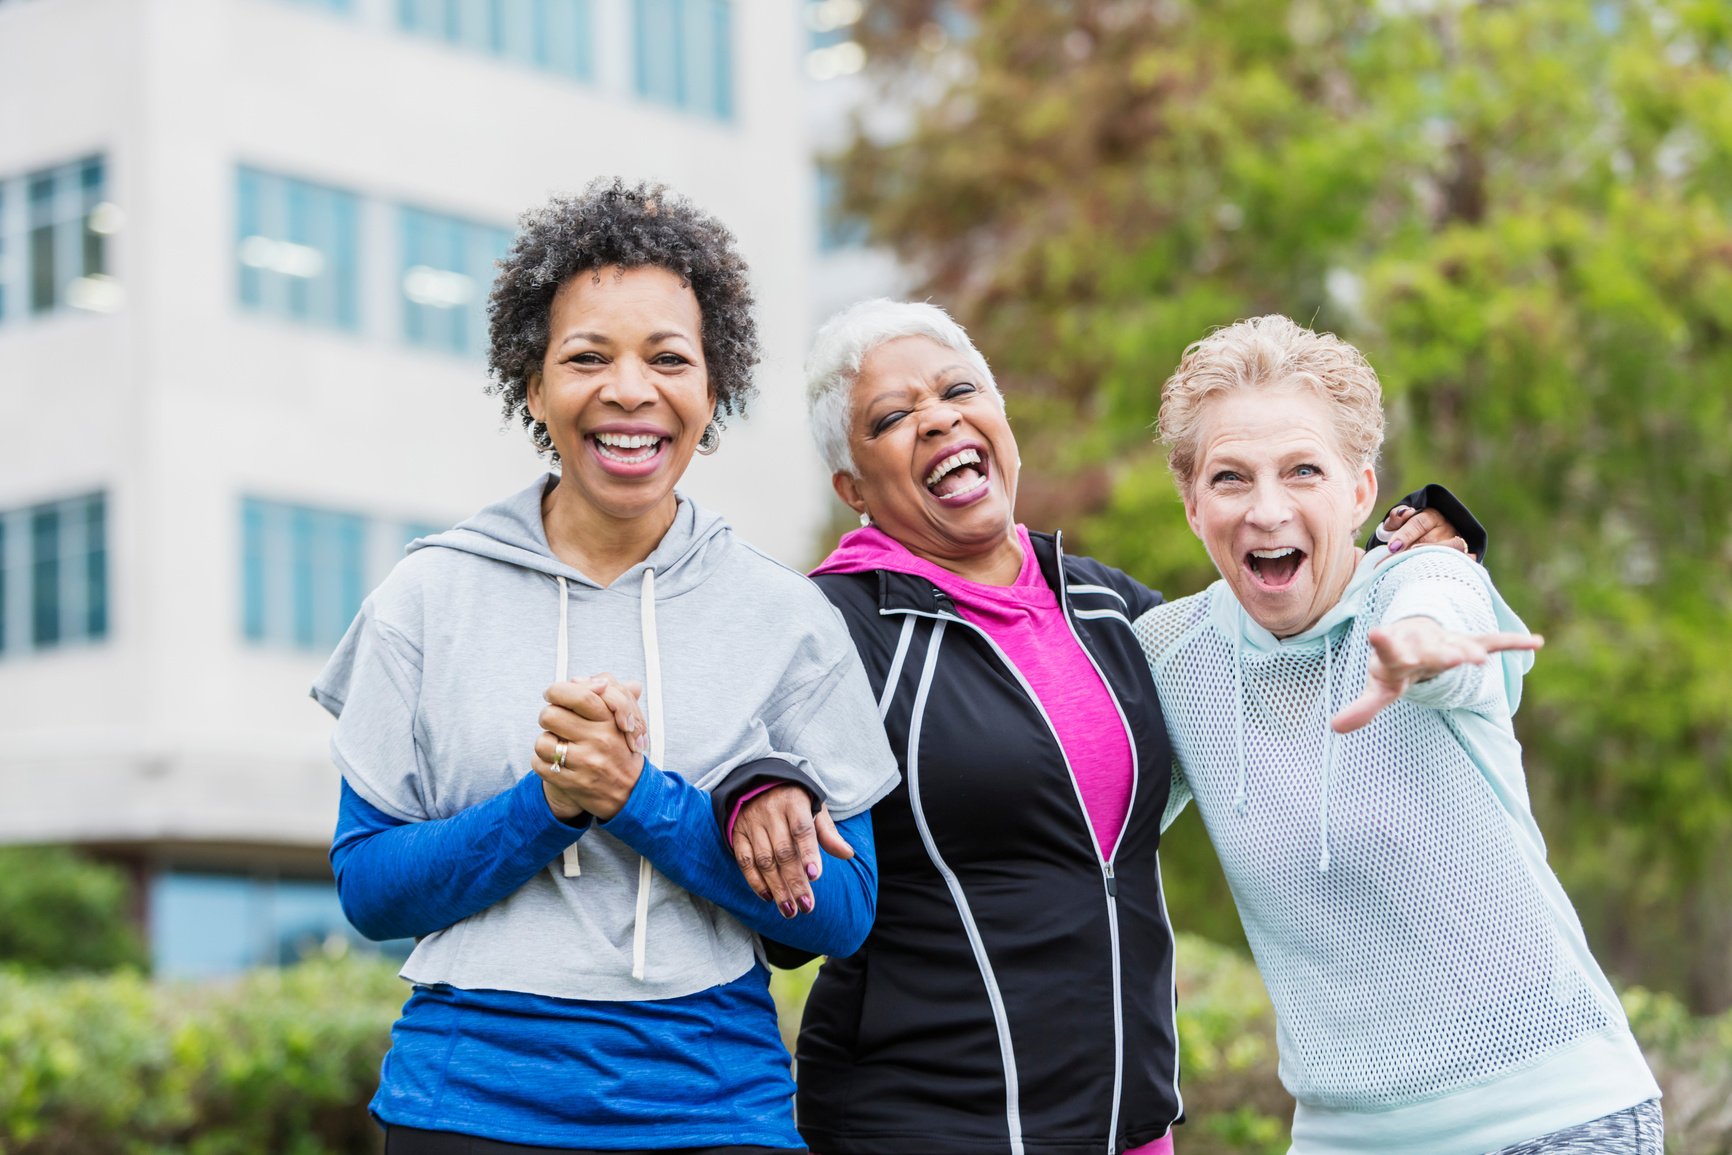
<point x="1112" y="882"/>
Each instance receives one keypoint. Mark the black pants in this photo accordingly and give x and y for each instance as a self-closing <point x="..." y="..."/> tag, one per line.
<point x="412" y="1141"/>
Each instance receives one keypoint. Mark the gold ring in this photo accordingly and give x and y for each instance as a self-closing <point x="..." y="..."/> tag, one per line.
<point x="559" y="756"/>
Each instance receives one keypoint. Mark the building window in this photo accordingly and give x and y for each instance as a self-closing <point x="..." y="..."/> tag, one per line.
<point x="447" y="268"/>
<point x="305" y="570"/>
<point x="302" y="573"/>
<point x="54" y="574"/>
<point x="684" y="53"/>
<point x="55" y="226"/>
<point x="836" y="230"/>
<point x="552" y="35"/>
<point x="207" y="924"/>
<point x="297" y="243"/>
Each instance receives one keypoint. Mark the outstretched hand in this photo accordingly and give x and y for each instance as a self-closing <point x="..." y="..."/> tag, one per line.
<point x="1415" y="650"/>
<point x="776" y="840"/>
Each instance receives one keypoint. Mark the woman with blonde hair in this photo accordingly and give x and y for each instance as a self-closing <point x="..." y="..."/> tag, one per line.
<point x="1342" y="722"/>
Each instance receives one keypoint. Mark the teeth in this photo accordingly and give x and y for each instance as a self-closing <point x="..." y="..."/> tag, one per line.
<point x="1273" y="553"/>
<point x="954" y="461"/>
<point x="979" y="481"/>
<point x="627" y="440"/>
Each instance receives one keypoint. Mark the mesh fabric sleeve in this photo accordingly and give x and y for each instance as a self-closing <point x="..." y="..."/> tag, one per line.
<point x="1440" y="584"/>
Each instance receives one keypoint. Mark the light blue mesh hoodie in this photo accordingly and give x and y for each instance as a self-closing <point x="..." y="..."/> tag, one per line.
<point x="1433" y="991"/>
<point x="437" y="685"/>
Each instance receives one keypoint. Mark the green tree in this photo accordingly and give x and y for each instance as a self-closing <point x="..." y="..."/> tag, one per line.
<point x="1520" y="211"/>
<point x="61" y="912"/>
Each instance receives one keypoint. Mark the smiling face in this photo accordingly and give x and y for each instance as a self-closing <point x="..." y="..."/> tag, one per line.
<point x="1277" y="504"/>
<point x="935" y="459"/>
<point x="623" y="391"/>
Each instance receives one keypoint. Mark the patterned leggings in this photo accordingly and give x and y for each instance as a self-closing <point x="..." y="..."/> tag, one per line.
<point x="1637" y="1131"/>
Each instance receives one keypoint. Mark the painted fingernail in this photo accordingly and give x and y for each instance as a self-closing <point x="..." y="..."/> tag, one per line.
<point x="787" y="910"/>
<point x="1397" y="545"/>
<point x="806" y="903"/>
<point x="811" y="870"/>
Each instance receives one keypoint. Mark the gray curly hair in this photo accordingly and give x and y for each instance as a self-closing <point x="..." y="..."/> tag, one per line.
<point x="612" y="224"/>
<point x="843" y="343"/>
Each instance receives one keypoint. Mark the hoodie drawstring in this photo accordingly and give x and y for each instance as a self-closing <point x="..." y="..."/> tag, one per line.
<point x="652" y="677"/>
<point x="653" y="692"/>
<point x="1330" y="745"/>
<point x="572" y="868"/>
<point x="1331" y="742"/>
<point x="1240" y="707"/>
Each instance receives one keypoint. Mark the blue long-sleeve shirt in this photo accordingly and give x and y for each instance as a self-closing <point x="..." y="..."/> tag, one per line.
<point x="538" y="1070"/>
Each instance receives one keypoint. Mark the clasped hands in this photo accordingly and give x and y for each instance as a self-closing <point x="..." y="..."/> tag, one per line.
<point x="776" y="835"/>
<point x="590" y="749"/>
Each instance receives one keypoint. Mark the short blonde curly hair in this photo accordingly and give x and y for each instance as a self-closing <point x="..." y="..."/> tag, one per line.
<point x="1267" y="353"/>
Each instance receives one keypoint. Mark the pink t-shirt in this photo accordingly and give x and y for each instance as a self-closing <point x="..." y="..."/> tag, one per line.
<point x="1026" y="622"/>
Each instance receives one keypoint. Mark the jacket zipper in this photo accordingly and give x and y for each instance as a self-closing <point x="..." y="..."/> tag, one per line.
<point x="1109" y="880"/>
<point x="1107" y="871"/>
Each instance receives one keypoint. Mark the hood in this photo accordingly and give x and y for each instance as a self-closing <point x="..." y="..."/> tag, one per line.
<point x="510" y="531"/>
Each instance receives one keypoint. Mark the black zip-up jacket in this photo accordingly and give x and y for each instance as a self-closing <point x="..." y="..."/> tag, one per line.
<point x="1016" y="991"/>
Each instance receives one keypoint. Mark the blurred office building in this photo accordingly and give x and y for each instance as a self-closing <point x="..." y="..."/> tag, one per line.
<point x="245" y="248"/>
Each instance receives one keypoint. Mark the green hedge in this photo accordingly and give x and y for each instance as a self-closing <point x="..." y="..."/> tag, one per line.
<point x="283" y="1062"/>
<point x="60" y="911"/>
<point x="279" y="1062"/>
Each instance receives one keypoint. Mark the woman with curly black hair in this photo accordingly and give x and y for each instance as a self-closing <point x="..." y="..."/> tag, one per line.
<point x="586" y="972"/>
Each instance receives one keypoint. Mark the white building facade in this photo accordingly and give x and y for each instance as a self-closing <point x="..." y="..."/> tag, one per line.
<point x="244" y="252"/>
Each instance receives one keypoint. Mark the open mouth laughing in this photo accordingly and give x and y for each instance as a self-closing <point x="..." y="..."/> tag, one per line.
<point x="960" y="473"/>
<point x="1274" y="569"/>
<point x="628" y="453"/>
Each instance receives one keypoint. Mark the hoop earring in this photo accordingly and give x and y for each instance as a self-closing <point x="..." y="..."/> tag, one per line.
<point x="711" y="439"/>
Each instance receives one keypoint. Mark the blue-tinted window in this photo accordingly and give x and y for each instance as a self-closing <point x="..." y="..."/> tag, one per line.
<point x="303" y="573"/>
<point x="683" y="51"/>
<point x="60" y="220"/>
<point x="213" y="924"/>
<point x="54" y="574"/>
<point x="447" y="268"/>
<point x="836" y="229"/>
<point x="554" y="35"/>
<point x="297" y="245"/>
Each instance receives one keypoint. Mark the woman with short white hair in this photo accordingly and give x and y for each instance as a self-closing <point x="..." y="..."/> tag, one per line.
<point x="1433" y="990"/>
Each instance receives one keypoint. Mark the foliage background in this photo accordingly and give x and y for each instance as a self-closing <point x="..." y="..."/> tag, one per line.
<point x="1520" y="211"/>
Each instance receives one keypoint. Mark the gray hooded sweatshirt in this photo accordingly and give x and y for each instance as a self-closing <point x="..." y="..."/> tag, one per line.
<point x="437" y="685"/>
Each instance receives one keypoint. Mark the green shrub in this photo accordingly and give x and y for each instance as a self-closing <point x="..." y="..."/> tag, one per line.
<point x="62" y="912"/>
<point x="278" y="1061"/>
<point x="284" y="1062"/>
